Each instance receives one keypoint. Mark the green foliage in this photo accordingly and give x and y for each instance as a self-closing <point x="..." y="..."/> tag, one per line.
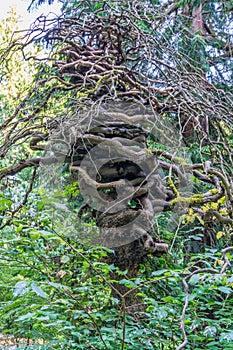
<point x="58" y="290"/>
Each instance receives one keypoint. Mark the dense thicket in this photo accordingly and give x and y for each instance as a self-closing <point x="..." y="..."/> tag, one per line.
<point x="122" y="140"/>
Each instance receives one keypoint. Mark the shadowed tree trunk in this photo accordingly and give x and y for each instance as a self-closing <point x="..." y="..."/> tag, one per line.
<point x="121" y="187"/>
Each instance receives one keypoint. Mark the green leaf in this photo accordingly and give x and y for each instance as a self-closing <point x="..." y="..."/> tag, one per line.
<point x="65" y="259"/>
<point x="162" y="314"/>
<point x="21" y="288"/>
<point x="194" y="279"/>
<point x="57" y="285"/>
<point x="5" y="203"/>
<point x="210" y="331"/>
<point x="158" y="272"/>
<point x="225" y="290"/>
<point x="27" y="316"/>
<point x="227" y="336"/>
<point x="38" y="290"/>
<point x="128" y="283"/>
<point x="230" y="279"/>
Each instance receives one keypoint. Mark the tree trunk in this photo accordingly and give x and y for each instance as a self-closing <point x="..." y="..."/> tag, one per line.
<point x="122" y="190"/>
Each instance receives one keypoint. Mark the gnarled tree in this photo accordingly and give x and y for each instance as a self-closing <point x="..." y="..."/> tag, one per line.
<point x="123" y="91"/>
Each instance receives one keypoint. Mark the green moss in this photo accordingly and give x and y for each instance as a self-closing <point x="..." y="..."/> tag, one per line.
<point x="181" y="161"/>
<point x="214" y="191"/>
<point x="3" y="170"/>
<point x="86" y="93"/>
<point x="173" y="187"/>
<point x="195" y="199"/>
